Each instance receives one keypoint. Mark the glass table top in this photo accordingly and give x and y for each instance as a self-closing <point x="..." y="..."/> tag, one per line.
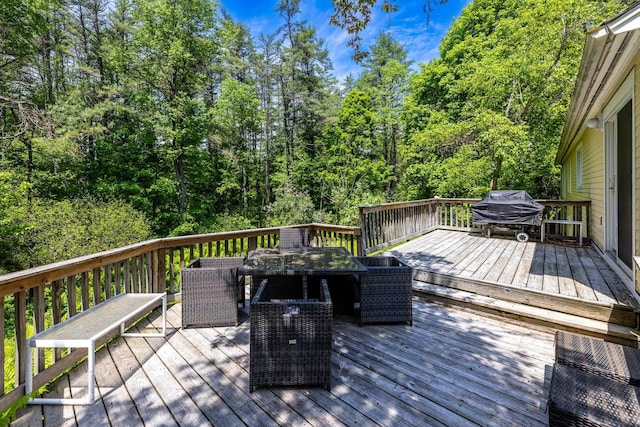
<point x="301" y="261"/>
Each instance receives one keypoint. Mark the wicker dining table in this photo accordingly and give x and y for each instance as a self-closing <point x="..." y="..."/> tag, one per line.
<point x="300" y="264"/>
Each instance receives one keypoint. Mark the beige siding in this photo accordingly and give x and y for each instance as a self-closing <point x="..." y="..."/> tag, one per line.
<point x="592" y="180"/>
<point x="593" y="187"/>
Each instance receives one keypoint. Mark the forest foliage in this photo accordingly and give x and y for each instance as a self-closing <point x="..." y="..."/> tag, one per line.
<point x="123" y="119"/>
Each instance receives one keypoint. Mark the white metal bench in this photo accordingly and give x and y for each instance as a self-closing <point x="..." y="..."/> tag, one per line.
<point x="84" y="329"/>
<point x="560" y="221"/>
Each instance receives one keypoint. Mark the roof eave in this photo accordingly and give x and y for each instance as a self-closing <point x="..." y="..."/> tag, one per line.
<point x="601" y="56"/>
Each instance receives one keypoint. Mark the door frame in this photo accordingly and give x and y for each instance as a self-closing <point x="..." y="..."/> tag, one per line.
<point x="622" y="96"/>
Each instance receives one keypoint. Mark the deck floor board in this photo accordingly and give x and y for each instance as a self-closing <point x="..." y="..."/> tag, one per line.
<point x="555" y="269"/>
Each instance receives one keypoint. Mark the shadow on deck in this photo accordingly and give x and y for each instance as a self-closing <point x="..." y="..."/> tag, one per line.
<point x="451" y="368"/>
<point x="455" y="366"/>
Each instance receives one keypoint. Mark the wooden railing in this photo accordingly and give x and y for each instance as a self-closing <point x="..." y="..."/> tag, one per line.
<point x="37" y="298"/>
<point x="392" y="223"/>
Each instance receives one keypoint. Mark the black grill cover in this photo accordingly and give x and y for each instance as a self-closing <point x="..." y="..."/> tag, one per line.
<point x="507" y="207"/>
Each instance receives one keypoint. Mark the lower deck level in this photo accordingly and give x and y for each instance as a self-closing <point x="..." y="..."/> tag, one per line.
<point x="453" y="367"/>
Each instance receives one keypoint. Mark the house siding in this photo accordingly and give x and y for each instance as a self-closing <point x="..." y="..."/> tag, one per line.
<point x="610" y="65"/>
<point x="593" y="188"/>
<point x="592" y="180"/>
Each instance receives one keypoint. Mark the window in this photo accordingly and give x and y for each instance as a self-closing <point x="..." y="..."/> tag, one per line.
<point x="579" y="161"/>
<point x="567" y="178"/>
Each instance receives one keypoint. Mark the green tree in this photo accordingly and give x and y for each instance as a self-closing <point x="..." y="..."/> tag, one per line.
<point x="351" y="168"/>
<point x="385" y="79"/>
<point x="291" y="206"/>
<point x="13" y="212"/>
<point x="173" y="47"/>
<point x="237" y="119"/>
<point x="507" y="83"/>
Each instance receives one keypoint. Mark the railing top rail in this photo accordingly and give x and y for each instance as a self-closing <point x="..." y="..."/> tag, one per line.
<point x="397" y="205"/>
<point x="437" y="200"/>
<point x="14" y="282"/>
<point x="553" y="202"/>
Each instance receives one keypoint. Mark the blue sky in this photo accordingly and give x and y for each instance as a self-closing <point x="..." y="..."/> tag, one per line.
<point x="408" y="26"/>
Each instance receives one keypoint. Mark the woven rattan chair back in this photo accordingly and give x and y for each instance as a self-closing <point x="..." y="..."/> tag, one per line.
<point x="294" y="238"/>
<point x="210" y="292"/>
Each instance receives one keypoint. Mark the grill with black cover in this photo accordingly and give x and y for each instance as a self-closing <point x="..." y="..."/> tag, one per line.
<point x="508" y="207"/>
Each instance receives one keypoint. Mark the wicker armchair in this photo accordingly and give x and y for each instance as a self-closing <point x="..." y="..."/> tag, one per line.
<point x="294" y="238"/>
<point x="594" y="383"/>
<point x="228" y="262"/>
<point x="583" y="398"/>
<point x="211" y="291"/>
<point x="615" y="361"/>
<point x="290" y="338"/>
<point x="385" y="291"/>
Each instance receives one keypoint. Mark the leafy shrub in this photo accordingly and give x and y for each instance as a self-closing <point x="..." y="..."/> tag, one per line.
<point x="59" y="230"/>
<point x="291" y="206"/>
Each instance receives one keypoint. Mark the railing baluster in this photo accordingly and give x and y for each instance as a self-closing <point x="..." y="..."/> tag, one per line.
<point x="56" y="308"/>
<point x="20" y="307"/>
<point x="84" y="292"/>
<point x="117" y="285"/>
<point x="96" y="283"/>
<point x="161" y="260"/>
<point x="172" y="283"/>
<point x="148" y="273"/>
<point x="135" y="277"/>
<point x="71" y="295"/>
<point x="38" y="323"/>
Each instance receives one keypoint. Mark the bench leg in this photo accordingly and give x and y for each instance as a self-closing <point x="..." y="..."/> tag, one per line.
<point x="88" y="400"/>
<point x="150" y="334"/>
<point x="91" y="377"/>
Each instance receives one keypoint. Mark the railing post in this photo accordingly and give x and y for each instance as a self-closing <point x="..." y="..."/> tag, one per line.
<point x="361" y="246"/>
<point x="252" y="243"/>
<point x="161" y="277"/>
<point x="20" y="301"/>
<point x="363" y="233"/>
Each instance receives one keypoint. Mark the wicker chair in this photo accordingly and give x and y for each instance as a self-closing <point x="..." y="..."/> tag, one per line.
<point x="594" y="383"/>
<point x="615" y="361"/>
<point x="294" y="238"/>
<point x="228" y="262"/>
<point x="385" y="291"/>
<point x="582" y="398"/>
<point x="211" y="291"/>
<point x="289" y="282"/>
<point x="290" y="338"/>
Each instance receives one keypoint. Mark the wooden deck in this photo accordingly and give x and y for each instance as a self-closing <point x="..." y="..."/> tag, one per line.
<point x="571" y="271"/>
<point x="451" y="368"/>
